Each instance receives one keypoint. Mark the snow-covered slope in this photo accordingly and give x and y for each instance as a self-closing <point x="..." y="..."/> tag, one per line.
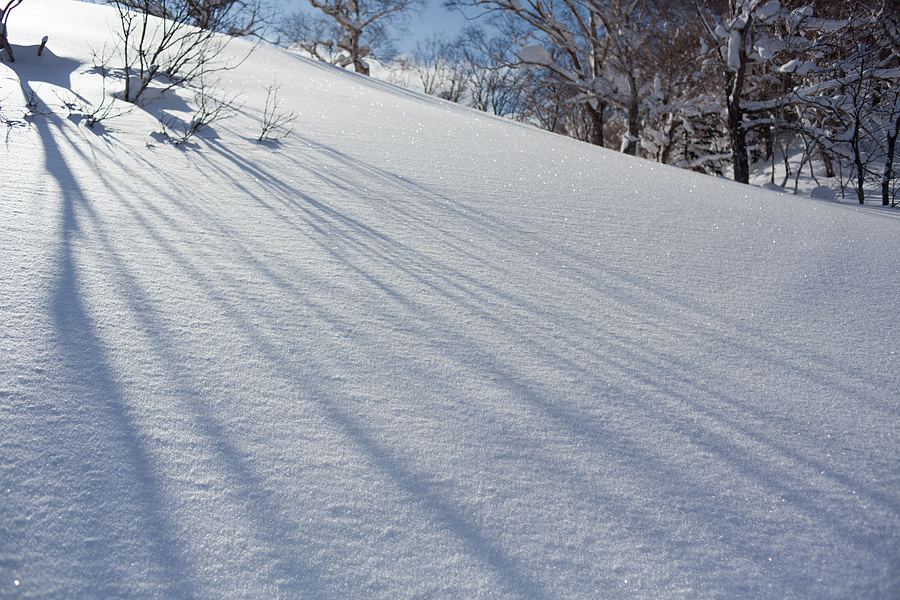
<point x="415" y="351"/>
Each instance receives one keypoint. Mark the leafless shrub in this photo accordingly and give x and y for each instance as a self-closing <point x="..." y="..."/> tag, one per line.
<point x="176" y="41"/>
<point x="33" y="105"/>
<point x="108" y="106"/>
<point x="275" y="123"/>
<point x="210" y="109"/>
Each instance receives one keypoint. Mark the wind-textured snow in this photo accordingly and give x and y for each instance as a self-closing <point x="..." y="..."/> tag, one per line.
<point x="414" y="351"/>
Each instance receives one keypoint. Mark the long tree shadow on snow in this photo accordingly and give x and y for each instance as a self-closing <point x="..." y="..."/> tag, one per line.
<point x="444" y="512"/>
<point x="363" y="238"/>
<point x="743" y="342"/>
<point x="120" y="503"/>
<point x="145" y="498"/>
<point x="358" y="239"/>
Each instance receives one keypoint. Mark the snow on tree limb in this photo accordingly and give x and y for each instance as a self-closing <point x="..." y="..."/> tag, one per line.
<point x="534" y="55"/>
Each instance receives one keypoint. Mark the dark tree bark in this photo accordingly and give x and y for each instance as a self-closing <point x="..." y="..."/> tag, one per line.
<point x="889" y="164"/>
<point x="736" y="129"/>
<point x="4" y="16"/>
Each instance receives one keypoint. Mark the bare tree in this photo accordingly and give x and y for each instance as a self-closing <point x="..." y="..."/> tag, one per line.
<point x="177" y="41"/>
<point x="888" y="19"/>
<point x="493" y="85"/>
<point x="364" y="27"/>
<point x="599" y="48"/>
<point x="317" y="35"/>
<point x="841" y="99"/>
<point x="439" y="66"/>
<point x="4" y="16"/>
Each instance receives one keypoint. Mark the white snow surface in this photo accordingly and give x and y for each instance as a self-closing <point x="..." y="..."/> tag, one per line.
<point x="414" y="351"/>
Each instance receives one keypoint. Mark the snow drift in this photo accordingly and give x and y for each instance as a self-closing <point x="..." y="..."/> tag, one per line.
<point x="416" y="351"/>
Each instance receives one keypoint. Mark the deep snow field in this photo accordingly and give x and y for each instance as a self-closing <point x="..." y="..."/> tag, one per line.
<point x="415" y="351"/>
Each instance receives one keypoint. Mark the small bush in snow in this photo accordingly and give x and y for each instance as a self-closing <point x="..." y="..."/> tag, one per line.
<point x="275" y="124"/>
<point x="210" y="109"/>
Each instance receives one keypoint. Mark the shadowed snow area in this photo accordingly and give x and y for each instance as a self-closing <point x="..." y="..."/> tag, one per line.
<point x="414" y="351"/>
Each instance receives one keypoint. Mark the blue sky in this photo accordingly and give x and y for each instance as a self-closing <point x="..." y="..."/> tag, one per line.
<point x="434" y="19"/>
<point x="437" y="18"/>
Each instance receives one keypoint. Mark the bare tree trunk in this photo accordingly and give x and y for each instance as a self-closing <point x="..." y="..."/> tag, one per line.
<point x="738" y="134"/>
<point x="4" y="17"/>
<point x="634" y="124"/>
<point x="596" y="120"/>
<point x="4" y="44"/>
<point x="359" y="65"/>
<point x="889" y="164"/>
<point x="734" y="88"/>
<point x="666" y="150"/>
<point x="596" y="114"/>
<point x="829" y="165"/>
<point x="858" y="163"/>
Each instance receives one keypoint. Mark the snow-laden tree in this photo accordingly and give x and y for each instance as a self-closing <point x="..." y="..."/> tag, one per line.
<point x="837" y="92"/>
<point x="594" y="47"/>
<point x="714" y="84"/>
<point x="888" y="34"/>
<point x="627" y="67"/>
<point x="862" y="102"/>
<point x="363" y="25"/>
<point x="684" y="121"/>
<point x="732" y="39"/>
<point x="820" y="74"/>
<point x="869" y="101"/>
